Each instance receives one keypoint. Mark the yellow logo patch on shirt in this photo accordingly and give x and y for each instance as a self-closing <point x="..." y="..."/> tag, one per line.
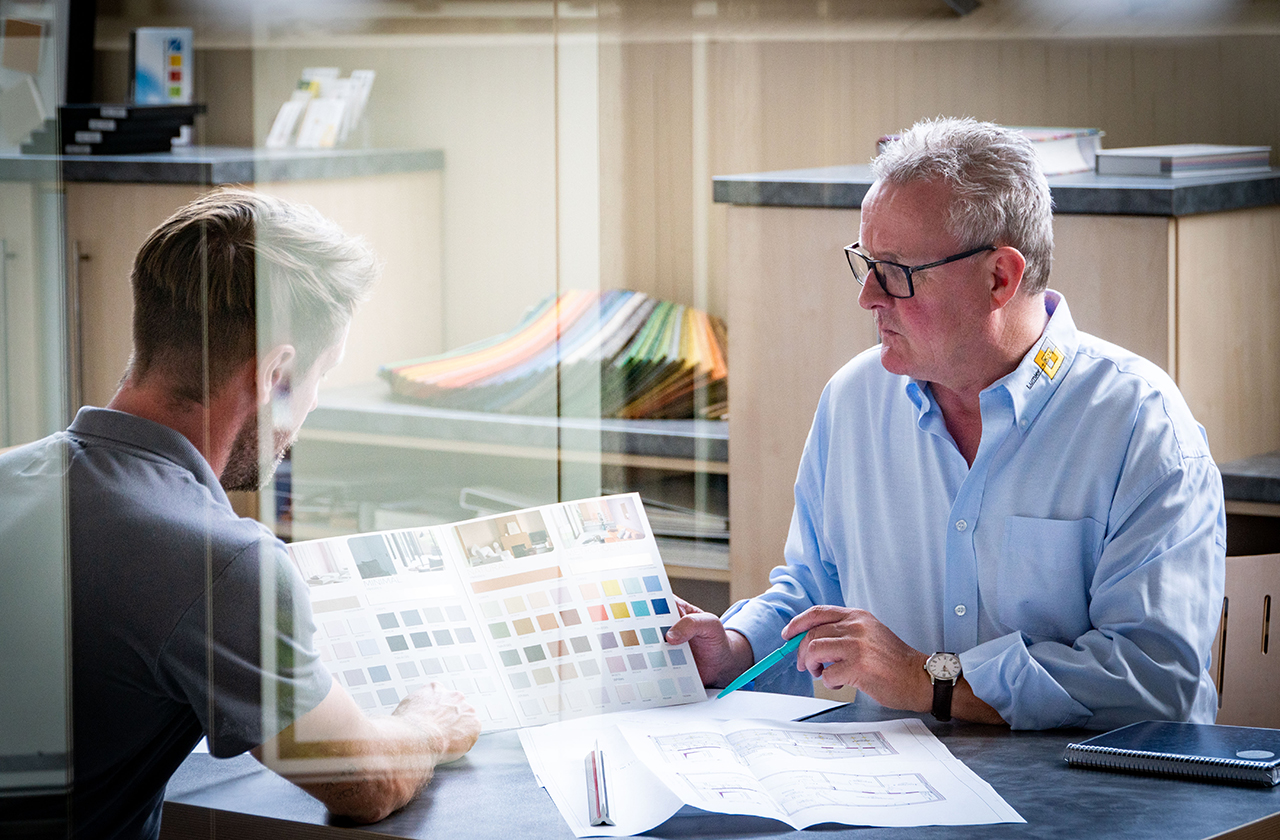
<point x="1049" y="359"/>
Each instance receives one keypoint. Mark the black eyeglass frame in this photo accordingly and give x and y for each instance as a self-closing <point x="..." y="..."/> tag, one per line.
<point x="850" y="252"/>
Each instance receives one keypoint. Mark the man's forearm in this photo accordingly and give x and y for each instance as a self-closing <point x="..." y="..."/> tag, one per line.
<point x="386" y="770"/>
<point x="371" y="765"/>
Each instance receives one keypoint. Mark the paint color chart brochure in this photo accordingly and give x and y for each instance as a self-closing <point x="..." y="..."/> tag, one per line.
<point x="536" y="615"/>
<point x="888" y="773"/>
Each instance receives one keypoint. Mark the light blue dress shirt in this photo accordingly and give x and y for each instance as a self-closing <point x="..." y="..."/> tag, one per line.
<point x="1077" y="566"/>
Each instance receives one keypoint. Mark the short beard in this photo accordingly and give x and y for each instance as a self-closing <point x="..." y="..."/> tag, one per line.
<point x="244" y="471"/>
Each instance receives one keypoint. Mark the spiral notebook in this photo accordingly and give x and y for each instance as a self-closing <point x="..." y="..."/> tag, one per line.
<point x="1238" y="754"/>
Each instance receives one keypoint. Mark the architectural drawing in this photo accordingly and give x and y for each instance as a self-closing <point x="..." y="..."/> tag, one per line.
<point x="749" y="745"/>
<point x="796" y="791"/>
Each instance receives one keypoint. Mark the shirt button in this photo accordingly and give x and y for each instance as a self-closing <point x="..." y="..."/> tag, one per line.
<point x="960" y="610"/>
<point x="1023" y="422"/>
<point x="961" y="525"/>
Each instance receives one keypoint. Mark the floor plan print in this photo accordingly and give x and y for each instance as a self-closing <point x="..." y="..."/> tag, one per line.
<point x="801" y="790"/>
<point x="885" y="773"/>
<point x="745" y="746"/>
<point x="750" y="742"/>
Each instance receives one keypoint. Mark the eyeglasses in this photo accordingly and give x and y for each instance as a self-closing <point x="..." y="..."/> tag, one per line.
<point x="893" y="277"/>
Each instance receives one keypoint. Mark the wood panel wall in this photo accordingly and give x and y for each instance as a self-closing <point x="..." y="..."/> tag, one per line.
<point x="785" y="103"/>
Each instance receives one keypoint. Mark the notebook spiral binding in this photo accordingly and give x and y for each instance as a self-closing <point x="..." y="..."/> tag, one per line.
<point x="1205" y="767"/>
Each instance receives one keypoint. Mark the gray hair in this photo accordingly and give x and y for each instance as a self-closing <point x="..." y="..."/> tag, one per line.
<point x="999" y="191"/>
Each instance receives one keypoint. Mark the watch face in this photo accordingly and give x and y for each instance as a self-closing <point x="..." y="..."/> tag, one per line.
<point x="943" y="666"/>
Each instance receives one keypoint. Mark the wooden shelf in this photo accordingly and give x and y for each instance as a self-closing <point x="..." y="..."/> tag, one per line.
<point x="367" y="414"/>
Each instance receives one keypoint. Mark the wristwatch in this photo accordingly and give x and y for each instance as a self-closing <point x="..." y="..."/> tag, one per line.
<point x="944" y="670"/>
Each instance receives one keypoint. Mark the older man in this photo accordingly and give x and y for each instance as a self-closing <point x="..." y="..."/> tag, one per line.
<point x="997" y="516"/>
<point x="186" y="620"/>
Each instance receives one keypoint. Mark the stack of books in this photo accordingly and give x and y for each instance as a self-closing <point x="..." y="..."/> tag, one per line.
<point x="586" y="354"/>
<point x="1184" y="160"/>
<point x="112" y="129"/>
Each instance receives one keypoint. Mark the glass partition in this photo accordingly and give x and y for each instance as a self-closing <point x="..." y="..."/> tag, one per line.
<point x="39" y="380"/>
<point x="559" y="280"/>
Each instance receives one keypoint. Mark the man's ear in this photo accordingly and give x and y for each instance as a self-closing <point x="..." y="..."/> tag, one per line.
<point x="274" y="370"/>
<point x="1006" y="275"/>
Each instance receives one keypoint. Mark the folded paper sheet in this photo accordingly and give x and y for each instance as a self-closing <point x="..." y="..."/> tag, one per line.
<point x="888" y="773"/>
<point x="638" y="799"/>
<point x="740" y="755"/>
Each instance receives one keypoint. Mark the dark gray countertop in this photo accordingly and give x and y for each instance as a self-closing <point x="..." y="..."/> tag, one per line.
<point x="213" y="165"/>
<point x="1084" y="193"/>
<point x="370" y="409"/>
<point x="1253" y="479"/>
<point x="491" y="793"/>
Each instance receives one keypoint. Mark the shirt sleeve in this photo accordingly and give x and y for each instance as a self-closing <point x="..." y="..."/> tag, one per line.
<point x="252" y="670"/>
<point x="1154" y="605"/>
<point x="808" y="578"/>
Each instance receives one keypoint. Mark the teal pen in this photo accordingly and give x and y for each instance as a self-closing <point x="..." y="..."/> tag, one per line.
<point x="763" y="665"/>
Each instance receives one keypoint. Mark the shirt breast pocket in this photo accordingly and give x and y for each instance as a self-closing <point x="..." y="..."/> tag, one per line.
<point x="1045" y="574"/>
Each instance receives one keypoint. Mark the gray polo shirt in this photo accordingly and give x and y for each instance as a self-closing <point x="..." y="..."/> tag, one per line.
<point x="174" y="600"/>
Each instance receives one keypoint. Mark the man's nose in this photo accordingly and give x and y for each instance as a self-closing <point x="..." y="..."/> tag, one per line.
<point x="871" y="295"/>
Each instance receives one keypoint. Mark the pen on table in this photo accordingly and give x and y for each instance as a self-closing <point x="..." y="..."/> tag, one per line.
<point x="763" y="665"/>
<point x="597" y="793"/>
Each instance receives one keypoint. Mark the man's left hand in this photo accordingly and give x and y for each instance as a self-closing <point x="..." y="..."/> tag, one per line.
<point x="848" y="647"/>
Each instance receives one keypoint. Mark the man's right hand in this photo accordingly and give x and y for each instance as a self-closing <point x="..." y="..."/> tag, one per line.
<point x="721" y="655"/>
<point x="375" y="764"/>
<point x="444" y="713"/>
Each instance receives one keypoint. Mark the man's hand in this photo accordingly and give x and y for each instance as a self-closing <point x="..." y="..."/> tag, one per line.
<point x="851" y="647"/>
<point x="374" y="765"/>
<point x="445" y="714"/>
<point x="719" y="654"/>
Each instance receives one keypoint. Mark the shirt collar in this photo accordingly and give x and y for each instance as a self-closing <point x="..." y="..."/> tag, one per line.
<point x="1045" y="365"/>
<point x="1035" y="378"/>
<point x="130" y="430"/>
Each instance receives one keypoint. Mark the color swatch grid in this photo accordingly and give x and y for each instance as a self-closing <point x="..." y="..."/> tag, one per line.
<point x="535" y="616"/>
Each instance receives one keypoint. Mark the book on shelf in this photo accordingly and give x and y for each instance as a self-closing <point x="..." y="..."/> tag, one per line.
<point x="1184" y="160"/>
<point x="126" y="111"/>
<point x="1062" y="151"/>
<point x="1237" y="754"/>
<point x="98" y="143"/>
<point x="72" y="123"/>
<point x="161" y="61"/>
<point x="613" y="353"/>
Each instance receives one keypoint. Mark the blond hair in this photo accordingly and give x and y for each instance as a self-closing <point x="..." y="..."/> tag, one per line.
<point x="235" y="270"/>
